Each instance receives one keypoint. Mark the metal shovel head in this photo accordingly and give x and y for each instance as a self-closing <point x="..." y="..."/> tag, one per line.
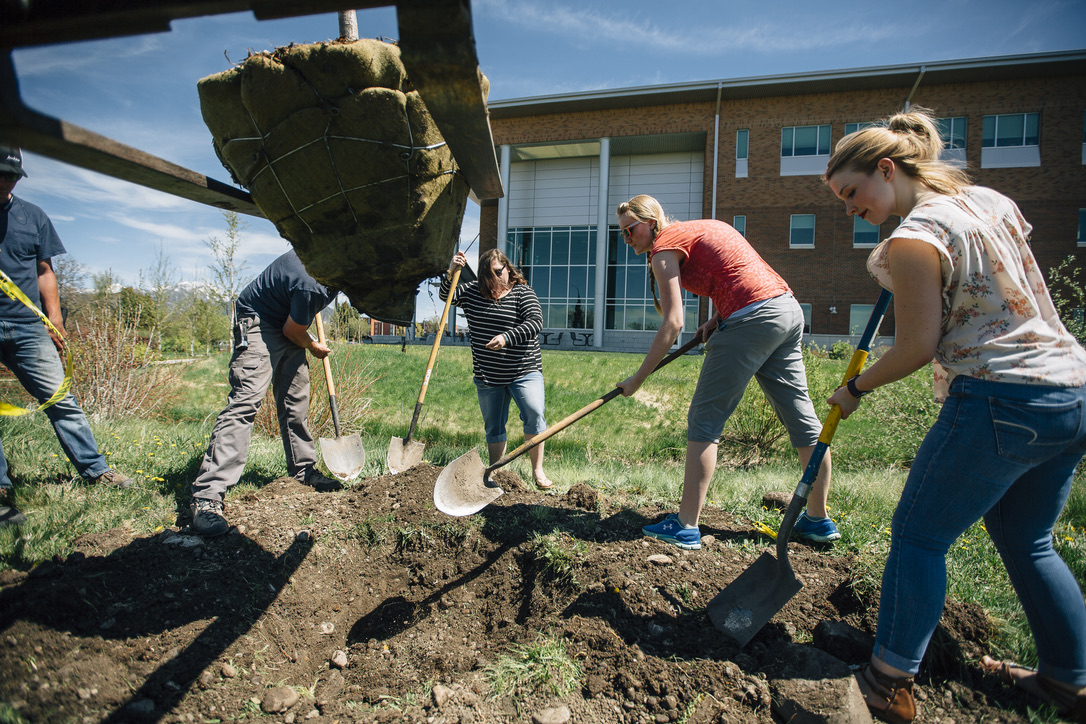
<point x="403" y="454"/>
<point x="460" y="489"/>
<point x="748" y="602"/>
<point x="344" y="456"/>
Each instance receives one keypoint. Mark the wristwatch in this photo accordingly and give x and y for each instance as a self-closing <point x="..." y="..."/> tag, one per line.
<point x="855" y="391"/>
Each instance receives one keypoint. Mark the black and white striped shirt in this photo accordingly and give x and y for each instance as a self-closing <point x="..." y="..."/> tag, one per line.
<point x="517" y="315"/>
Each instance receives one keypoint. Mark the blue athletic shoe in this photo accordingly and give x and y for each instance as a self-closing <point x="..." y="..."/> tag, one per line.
<point x="819" y="530"/>
<point x="670" y="530"/>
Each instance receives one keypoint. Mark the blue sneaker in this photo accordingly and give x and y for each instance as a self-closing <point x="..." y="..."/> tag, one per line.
<point x="819" y="530"/>
<point x="670" y="530"/>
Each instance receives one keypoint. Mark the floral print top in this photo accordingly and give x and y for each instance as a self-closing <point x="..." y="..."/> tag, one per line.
<point x="998" y="322"/>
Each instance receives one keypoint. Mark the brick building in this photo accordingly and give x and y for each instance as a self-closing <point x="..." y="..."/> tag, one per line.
<point x="751" y="152"/>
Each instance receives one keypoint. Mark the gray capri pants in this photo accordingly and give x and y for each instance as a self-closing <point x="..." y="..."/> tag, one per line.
<point x="764" y="344"/>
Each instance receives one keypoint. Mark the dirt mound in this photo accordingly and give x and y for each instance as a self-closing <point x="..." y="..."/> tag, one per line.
<point x="369" y="605"/>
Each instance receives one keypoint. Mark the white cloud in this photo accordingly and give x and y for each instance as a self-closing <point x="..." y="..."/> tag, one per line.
<point x="582" y="25"/>
<point x="83" y="57"/>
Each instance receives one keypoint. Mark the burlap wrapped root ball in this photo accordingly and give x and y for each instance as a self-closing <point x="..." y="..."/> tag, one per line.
<point x="340" y="153"/>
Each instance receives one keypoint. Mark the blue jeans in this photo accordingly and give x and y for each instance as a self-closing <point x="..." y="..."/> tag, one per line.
<point x="27" y="350"/>
<point x="526" y="391"/>
<point x="1005" y="452"/>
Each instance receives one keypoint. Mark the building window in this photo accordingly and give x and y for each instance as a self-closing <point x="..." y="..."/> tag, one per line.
<point x="1010" y="129"/>
<point x="1011" y="140"/>
<point x="742" y="148"/>
<point x="1082" y="227"/>
<point x="952" y="131"/>
<point x="853" y="127"/>
<point x="805" y="141"/>
<point x="804" y="150"/>
<point x="858" y="316"/>
<point x="864" y="234"/>
<point x="628" y="298"/>
<point x="559" y="264"/>
<point x="801" y="232"/>
<point x="806" y="317"/>
<point x="740" y="224"/>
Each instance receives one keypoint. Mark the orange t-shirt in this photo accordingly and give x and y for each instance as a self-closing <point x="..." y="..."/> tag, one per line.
<point x="717" y="262"/>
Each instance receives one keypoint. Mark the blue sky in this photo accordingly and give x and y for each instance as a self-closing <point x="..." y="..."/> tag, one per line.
<point x="141" y="90"/>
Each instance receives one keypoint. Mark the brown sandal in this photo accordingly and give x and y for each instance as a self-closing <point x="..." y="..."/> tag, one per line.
<point x="888" y="698"/>
<point x="1069" y="700"/>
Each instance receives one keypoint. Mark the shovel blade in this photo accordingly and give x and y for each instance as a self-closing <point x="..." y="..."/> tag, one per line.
<point x="403" y="454"/>
<point x="344" y="456"/>
<point x="460" y="489"/>
<point x="747" y="603"/>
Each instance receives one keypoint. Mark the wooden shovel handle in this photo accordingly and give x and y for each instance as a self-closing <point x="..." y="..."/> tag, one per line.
<point x="595" y="404"/>
<point x="328" y="377"/>
<point x="433" y="354"/>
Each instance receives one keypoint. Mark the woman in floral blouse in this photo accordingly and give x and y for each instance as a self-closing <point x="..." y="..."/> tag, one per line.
<point x="968" y="293"/>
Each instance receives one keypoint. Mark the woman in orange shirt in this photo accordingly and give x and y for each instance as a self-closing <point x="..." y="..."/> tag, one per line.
<point x="756" y="332"/>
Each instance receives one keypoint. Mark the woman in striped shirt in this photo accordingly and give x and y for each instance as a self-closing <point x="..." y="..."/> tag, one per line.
<point x="504" y="318"/>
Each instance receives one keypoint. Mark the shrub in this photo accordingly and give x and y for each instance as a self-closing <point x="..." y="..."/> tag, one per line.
<point x="841" y="350"/>
<point x="1069" y="295"/>
<point x="115" y="371"/>
<point x="353" y="385"/>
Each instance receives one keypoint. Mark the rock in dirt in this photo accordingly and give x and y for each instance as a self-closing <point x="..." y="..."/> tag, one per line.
<point x="814" y="687"/>
<point x="554" y="715"/>
<point x="330" y="690"/>
<point x="339" y="660"/>
<point x="442" y="694"/>
<point x="847" y="643"/>
<point x="278" y="699"/>
<point x="660" y="559"/>
<point x="776" y="499"/>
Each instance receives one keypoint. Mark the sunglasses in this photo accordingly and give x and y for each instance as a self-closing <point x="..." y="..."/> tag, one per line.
<point x="627" y="233"/>
<point x="498" y="272"/>
<point x="9" y="176"/>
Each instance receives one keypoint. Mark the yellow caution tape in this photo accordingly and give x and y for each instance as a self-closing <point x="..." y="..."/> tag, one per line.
<point x="9" y="287"/>
<point x="763" y="528"/>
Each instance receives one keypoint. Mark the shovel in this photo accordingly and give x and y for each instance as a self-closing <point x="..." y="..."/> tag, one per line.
<point x="405" y="453"/>
<point x="747" y="603"/>
<point x="344" y="456"/>
<point x="462" y="488"/>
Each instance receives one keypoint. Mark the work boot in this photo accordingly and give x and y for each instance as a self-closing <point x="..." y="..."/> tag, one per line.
<point x="320" y="483"/>
<point x="888" y="698"/>
<point x="113" y="479"/>
<point x="9" y="514"/>
<point x="207" y="517"/>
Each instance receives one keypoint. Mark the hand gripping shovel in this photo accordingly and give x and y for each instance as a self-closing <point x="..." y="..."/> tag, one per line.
<point x="747" y="603"/>
<point x="344" y="457"/>
<point x="405" y="453"/>
<point x="462" y="487"/>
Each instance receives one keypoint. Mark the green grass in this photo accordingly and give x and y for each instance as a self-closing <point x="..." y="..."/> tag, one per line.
<point x="631" y="450"/>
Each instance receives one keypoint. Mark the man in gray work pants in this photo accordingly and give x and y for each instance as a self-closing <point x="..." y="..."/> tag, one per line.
<point x="270" y="342"/>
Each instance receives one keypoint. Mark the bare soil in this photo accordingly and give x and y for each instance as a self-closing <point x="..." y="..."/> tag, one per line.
<point x="371" y="606"/>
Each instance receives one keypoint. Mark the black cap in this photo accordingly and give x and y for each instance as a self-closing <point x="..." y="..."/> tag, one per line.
<point x="11" y="160"/>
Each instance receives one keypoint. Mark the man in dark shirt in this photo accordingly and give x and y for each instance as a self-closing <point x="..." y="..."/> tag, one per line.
<point x="28" y="241"/>
<point x="270" y="340"/>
